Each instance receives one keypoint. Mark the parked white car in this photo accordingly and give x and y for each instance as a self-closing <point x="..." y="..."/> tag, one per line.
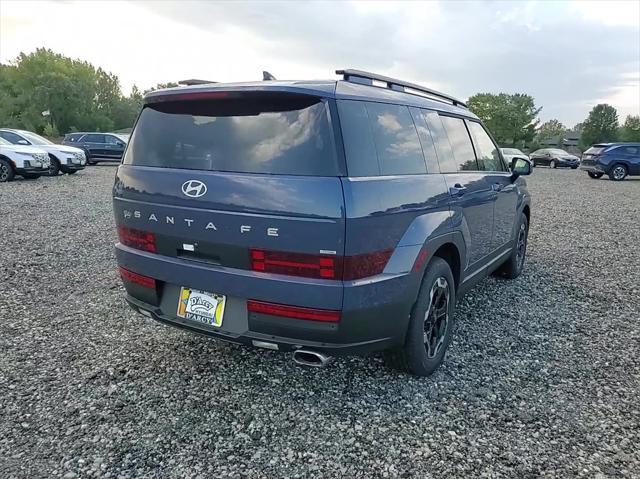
<point x="25" y="161"/>
<point x="510" y="154"/>
<point x="67" y="159"/>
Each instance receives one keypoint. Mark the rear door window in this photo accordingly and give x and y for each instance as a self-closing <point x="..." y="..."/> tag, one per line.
<point x="631" y="150"/>
<point x="486" y="151"/>
<point x="93" y="138"/>
<point x="380" y="139"/>
<point x="461" y="145"/>
<point x="276" y="134"/>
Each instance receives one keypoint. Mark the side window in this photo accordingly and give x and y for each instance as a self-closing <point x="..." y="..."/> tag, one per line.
<point x="396" y="139"/>
<point x="487" y="151"/>
<point x="426" y="140"/>
<point x="359" y="148"/>
<point x="11" y="137"/>
<point x="443" y="147"/>
<point x="93" y="138"/>
<point x="111" y="140"/>
<point x="631" y="150"/>
<point x="380" y="139"/>
<point x="460" y="144"/>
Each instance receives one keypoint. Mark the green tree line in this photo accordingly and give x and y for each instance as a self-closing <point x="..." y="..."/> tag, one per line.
<point x="73" y="95"/>
<point x="77" y="96"/>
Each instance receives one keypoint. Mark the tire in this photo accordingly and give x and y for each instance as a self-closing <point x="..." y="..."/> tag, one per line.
<point x="434" y="310"/>
<point x="513" y="267"/>
<point x="87" y="156"/>
<point x="54" y="167"/>
<point x="30" y="176"/>
<point x="574" y="167"/>
<point x="552" y="164"/>
<point x="618" y="172"/>
<point x="593" y="175"/>
<point x="6" y="171"/>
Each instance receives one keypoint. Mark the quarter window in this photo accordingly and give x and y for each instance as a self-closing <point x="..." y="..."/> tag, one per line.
<point x="461" y="145"/>
<point x="631" y="150"/>
<point x="380" y="139"/>
<point x="426" y="140"/>
<point x="486" y="150"/>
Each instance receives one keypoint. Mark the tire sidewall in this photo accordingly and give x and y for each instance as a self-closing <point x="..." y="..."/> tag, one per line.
<point x="417" y="357"/>
<point x="11" y="172"/>
<point x="54" y="163"/>
<point x="617" y="165"/>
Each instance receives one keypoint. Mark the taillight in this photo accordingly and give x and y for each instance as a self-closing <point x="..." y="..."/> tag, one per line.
<point x="295" y="312"/>
<point x="137" y="239"/>
<point x="346" y="268"/>
<point x="136" y="278"/>
<point x="296" y="264"/>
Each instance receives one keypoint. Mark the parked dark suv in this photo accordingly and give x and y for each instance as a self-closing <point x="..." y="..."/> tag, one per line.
<point x="617" y="160"/>
<point x="98" y="146"/>
<point x="319" y="217"/>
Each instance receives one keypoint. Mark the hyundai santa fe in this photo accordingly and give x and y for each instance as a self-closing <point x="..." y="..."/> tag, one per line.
<point x="321" y="218"/>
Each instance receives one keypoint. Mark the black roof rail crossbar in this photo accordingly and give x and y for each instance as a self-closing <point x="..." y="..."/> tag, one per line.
<point x="367" y="78"/>
<point x="195" y="81"/>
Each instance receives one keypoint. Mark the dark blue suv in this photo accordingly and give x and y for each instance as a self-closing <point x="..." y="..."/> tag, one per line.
<point x="319" y="217"/>
<point x="617" y="160"/>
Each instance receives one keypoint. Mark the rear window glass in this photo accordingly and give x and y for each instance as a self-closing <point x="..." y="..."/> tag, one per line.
<point x="460" y="144"/>
<point x="594" y="150"/>
<point x="272" y="134"/>
<point x="380" y="139"/>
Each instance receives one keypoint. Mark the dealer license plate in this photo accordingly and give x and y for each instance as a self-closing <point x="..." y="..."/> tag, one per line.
<point x="201" y="306"/>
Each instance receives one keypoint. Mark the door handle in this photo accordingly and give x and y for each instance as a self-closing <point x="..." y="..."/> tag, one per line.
<point x="457" y="190"/>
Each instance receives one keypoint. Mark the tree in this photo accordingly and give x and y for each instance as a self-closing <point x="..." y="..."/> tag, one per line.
<point x="510" y="118"/>
<point x="630" y="131"/>
<point x="551" y="130"/>
<point x="76" y="94"/>
<point x="601" y="125"/>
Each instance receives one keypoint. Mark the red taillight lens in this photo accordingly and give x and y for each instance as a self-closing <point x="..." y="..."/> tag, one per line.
<point x="296" y="264"/>
<point x="365" y="265"/>
<point x="296" y="312"/>
<point x="138" y="239"/>
<point x="320" y="266"/>
<point x="136" y="278"/>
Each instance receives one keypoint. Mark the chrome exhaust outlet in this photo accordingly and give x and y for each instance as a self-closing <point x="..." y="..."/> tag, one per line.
<point x="314" y="359"/>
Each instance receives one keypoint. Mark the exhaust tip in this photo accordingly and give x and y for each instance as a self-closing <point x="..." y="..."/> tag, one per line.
<point x="313" y="359"/>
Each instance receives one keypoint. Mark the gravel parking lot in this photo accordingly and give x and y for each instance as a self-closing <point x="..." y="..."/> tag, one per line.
<point x="542" y="380"/>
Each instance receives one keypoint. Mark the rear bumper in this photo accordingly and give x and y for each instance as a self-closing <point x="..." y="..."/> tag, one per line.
<point x="71" y="167"/>
<point x="593" y="168"/>
<point x="374" y="312"/>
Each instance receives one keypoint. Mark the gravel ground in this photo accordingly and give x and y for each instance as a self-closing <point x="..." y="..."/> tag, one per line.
<point x="542" y="380"/>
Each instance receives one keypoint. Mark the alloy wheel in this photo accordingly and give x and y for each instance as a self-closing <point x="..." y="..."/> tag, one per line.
<point x="619" y="172"/>
<point x="4" y="172"/>
<point x="436" y="318"/>
<point x="521" y="246"/>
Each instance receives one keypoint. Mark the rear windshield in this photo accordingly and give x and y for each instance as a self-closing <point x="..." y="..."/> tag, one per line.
<point x="594" y="150"/>
<point x="278" y="134"/>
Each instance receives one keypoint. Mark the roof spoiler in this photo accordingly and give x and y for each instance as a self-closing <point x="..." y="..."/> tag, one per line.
<point x="368" y="78"/>
<point x="195" y="81"/>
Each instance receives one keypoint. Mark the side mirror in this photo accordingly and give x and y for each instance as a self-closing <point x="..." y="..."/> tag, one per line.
<point x="520" y="167"/>
<point x="22" y="142"/>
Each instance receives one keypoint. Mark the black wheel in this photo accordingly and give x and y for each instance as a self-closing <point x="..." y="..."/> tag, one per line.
<point x="574" y="167"/>
<point x="87" y="155"/>
<point x="430" y="323"/>
<point x="30" y="176"/>
<point x="512" y="268"/>
<point x="552" y="164"/>
<point x="618" y="172"/>
<point x="6" y="171"/>
<point x="593" y="175"/>
<point x="54" y="166"/>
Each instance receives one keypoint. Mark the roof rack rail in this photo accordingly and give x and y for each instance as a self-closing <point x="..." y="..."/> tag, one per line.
<point x="368" y="78"/>
<point x="195" y="81"/>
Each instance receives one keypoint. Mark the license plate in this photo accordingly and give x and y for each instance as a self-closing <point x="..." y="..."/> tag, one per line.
<point x="201" y="306"/>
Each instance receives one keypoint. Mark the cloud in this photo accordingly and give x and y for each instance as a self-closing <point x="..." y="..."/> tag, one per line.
<point x="567" y="55"/>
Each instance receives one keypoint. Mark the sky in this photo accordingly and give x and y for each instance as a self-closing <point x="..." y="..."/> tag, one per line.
<point x="568" y="55"/>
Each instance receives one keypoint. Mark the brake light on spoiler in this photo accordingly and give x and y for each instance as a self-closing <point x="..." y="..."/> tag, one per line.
<point x="345" y="268"/>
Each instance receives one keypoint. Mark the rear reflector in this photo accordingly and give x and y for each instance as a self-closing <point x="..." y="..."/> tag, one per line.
<point x="296" y="312"/>
<point x="136" y="278"/>
<point x="320" y="266"/>
<point x="138" y="239"/>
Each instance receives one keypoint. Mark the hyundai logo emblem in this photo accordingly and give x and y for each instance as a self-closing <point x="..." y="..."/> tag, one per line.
<point x="194" y="188"/>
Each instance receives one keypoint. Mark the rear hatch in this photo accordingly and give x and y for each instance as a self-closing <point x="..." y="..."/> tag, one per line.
<point x="590" y="156"/>
<point x="218" y="179"/>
